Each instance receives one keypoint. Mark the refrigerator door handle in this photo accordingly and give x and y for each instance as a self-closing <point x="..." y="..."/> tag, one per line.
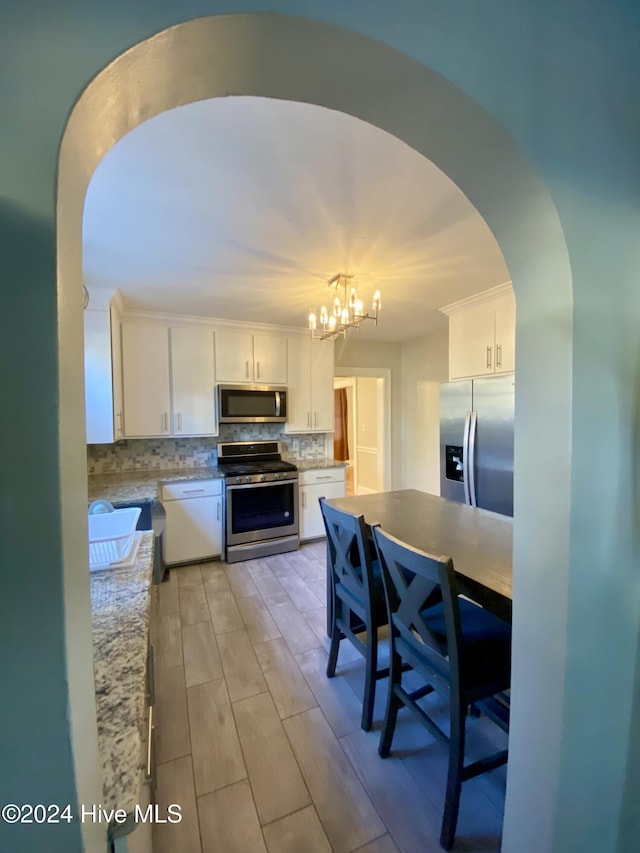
<point x="471" y="464"/>
<point x="465" y="459"/>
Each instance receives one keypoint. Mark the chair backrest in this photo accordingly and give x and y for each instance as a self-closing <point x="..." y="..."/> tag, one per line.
<point x="413" y="581"/>
<point x="350" y="550"/>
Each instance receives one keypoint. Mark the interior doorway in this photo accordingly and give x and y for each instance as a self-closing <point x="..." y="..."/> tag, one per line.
<point x="363" y="428"/>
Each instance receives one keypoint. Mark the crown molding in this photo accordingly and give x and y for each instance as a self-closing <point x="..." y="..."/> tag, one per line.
<point x="477" y="298"/>
<point x="214" y="322"/>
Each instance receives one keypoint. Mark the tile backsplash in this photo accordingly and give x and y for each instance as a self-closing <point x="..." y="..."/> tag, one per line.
<point x="147" y="454"/>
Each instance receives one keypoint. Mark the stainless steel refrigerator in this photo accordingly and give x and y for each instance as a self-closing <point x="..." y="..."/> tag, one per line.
<point x="476" y="442"/>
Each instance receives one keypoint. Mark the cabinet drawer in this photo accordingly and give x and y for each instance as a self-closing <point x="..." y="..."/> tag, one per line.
<point x="321" y="475"/>
<point x="191" y="489"/>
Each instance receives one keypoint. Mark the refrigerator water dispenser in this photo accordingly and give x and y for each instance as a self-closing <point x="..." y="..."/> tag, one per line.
<point x="454" y="469"/>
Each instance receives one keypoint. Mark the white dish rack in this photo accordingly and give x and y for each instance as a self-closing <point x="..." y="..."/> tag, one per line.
<point x="111" y="536"/>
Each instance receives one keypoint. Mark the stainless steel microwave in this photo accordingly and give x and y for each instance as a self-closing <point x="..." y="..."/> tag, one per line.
<point x="252" y="404"/>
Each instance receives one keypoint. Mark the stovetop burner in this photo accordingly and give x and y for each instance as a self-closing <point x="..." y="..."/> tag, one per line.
<point x="254" y="461"/>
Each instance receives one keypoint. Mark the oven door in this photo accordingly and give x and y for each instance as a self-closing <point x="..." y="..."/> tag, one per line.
<point x="258" y="511"/>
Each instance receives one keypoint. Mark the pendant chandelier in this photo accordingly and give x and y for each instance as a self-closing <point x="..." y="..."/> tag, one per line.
<point x="346" y="312"/>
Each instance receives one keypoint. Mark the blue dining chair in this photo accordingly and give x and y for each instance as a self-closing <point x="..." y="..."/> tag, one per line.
<point x="357" y="607"/>
<point x="455" y="646"/>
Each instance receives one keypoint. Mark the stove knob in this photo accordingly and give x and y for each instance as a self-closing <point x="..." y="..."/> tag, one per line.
<point x="247" y="479"/>
<point x="263" y="478"/>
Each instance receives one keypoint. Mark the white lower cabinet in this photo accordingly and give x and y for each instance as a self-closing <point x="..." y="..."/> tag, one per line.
<point x="140" y="840"/>
<point x="136" y="836"/>
<point x="194" y="520"/>
<point x="313" y="485"/>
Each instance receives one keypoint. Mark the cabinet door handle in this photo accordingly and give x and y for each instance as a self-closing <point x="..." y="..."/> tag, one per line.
<point x="304" y="499"/>
<point x="193" y="491"/>
<point x="498" y="355"/>
<point x="246" y="369"/>
<point x="179" y="421"/>
<point x="328" y="477"/>
<point x="489" y="351"/>
<point x="149" y="776"/>
<point x="165" y="420"/>
<point x="257" y="370"/>
<point x="315" y="419"/>
<point x="218" y="511"/>
<point x="150" y="694"/>
<point x="119" y="422"/>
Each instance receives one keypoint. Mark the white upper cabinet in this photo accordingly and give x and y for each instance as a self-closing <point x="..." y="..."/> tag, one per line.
<point x="193" y="380"/>
<point x="97" y="375"/>
<point x="322" y="386"/>
<point x="170" y="371"/>
<point x="168" y="380"/>
<point x="234" y="355"/>
<point x="103" y="370"/>
<point x="146" y="379"/>
<point x="270" y="359"/>
<point x="245" y="357"/>
<point x="505" y="358"/>
<point x="299" y="387"/>
<point x="116" y="373"/>
<point x="310" y="385"/>
<point x="482" y="334"/>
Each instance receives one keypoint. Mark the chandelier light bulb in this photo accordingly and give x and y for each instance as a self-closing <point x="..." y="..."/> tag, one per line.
<point x="345" y="312"/>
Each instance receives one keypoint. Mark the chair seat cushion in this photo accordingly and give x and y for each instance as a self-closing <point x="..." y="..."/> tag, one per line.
<point x="485" y="643"/>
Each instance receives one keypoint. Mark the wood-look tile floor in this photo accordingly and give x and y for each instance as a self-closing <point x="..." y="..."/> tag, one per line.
<point x="264" y="753"/>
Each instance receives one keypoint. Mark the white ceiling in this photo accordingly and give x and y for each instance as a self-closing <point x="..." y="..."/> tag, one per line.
<point x="242" y="208"/>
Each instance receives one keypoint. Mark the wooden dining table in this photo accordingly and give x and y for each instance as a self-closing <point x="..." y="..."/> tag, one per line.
<point x="479" y="542"/>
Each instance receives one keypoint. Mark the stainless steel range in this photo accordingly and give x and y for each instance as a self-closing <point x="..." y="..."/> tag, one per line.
<point x="261" y="500"/>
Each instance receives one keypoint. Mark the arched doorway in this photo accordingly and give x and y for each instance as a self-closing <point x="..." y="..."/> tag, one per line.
<point x="307" y="61"/>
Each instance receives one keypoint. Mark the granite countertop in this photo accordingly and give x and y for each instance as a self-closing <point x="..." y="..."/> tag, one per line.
<point x="143" y="485"/>
<point x="120" y="611"/>
<point x="316" y="464"/>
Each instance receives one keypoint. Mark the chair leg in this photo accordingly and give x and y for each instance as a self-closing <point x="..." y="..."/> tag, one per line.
<point x="371" y="667"/>
<point x="454" y="778"/>
<point x="336" y="636"/>
<point x="394" y="704"/>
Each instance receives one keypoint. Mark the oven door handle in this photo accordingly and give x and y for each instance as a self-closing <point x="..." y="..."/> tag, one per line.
<point x="236" y="486"/>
